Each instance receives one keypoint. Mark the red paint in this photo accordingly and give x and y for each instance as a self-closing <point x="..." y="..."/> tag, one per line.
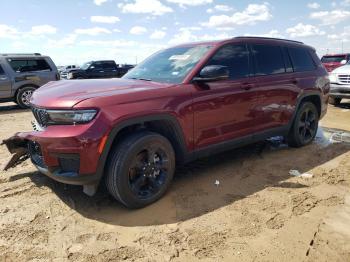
<point x="207" y="114"/>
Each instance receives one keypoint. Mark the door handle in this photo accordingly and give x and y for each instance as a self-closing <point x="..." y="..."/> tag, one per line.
<point x="247" y="86"/>
<point x="295" y="81"/>
<point x="102" y="71"/>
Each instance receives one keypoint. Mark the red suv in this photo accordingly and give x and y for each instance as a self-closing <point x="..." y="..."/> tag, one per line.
<point x="180" y="104"/>
<point x="332" y="62"/>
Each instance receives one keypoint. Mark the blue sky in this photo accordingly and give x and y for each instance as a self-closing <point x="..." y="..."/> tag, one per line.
<point x="130" y="30"/>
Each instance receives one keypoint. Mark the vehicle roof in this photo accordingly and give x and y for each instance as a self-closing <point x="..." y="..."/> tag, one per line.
<point x="330" y="55"/>
<point x="19" y="55"/>
<point x="256" y="39"/>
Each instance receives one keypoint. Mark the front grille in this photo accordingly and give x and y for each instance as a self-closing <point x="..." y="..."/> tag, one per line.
<point x="344" y="79"/>
<point x="41" y="116"/>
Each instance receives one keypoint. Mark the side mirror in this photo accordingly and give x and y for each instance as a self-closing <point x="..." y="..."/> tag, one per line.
<point x="213" y="73"/>
<point x="343" y="62"/>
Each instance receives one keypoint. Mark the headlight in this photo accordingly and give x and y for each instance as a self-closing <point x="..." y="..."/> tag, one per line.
<point x="69" y="75"/>
<point x="70" y="117"/>
<point x="333" y="77"/>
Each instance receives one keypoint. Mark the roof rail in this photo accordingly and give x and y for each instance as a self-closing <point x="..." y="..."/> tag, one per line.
<point x="20" y="54"/>
<point x="269" y="38"/>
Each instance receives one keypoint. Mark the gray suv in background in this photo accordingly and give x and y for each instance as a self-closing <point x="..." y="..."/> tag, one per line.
<point x="22" y="74"/>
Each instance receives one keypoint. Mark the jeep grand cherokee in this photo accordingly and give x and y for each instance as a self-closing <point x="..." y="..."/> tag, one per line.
<point x="180" y="104"/>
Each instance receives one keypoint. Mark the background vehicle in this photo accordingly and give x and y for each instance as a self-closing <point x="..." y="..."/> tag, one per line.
<point x="331" y="62"/>
<point x="65" y="69"/>
<point x="21" y="74"/>
<point x="98" y="69"/>
<point x="340" y="84"/>
<point x="182" y="103"/>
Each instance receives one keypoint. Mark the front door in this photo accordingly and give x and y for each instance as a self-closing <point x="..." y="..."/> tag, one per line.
<point x="225" y="109"/>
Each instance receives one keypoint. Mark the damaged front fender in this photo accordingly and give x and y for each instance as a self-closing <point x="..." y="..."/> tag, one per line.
<point x="18" y="147"/>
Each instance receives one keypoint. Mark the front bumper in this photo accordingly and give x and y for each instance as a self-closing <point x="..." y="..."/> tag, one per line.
<point x="340" y="90"/>
<point x="68" y="154"/>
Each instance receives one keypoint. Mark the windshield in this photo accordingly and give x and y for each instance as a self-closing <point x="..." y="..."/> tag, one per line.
<point x="86" y="65"/>
<point x="170" y="65"/>
<point x="333" y="59"/>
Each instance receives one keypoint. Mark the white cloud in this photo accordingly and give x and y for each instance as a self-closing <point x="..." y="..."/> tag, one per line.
<point x="43" y="30"/>
<point x="138" y="30"/>
<point x="301" y="30"/>
<point x="153" y="7"/>
<point x="313" y="5"/>
<point x="251" y="15"/>
<point x="186" y="35"/>
<point x="7" y="31"/>
<point x="331" y="17"/>
<point x="273" y="33"/>
<point x="92" y="31"/>
<point x="67" y="41"/>
<point x="157" y="34"/>
<point x="100" y="2"/>
<point x="223" y="8"/>
<point x="107" y="43"/>
<point x="104" y="19"/>
<point x="183" y="3"/>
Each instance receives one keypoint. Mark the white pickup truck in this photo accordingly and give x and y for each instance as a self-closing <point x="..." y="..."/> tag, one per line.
<point x="340" y="84"/>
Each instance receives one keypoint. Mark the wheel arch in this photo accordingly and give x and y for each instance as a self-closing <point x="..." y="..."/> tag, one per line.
<point x="23" y="86"/>
<point x="164" y="124"/>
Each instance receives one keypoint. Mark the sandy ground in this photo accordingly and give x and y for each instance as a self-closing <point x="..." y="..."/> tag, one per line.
<point x="258" y="212"/>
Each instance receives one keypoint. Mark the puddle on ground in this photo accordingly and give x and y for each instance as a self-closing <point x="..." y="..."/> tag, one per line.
<point x="324" y="137"/>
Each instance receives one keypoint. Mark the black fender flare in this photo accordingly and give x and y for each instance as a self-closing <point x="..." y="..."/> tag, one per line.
<point x="140" y="120"/>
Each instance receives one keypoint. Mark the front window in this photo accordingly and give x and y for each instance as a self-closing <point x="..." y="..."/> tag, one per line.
<point x="170" y="66"/>
<point x="86" y="65"/>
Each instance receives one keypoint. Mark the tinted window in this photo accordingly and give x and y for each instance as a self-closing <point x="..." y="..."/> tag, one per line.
<point x="333" y="59"/>
<point x="301" y="59"/>
<point x="97" y="66"/>
<point x="235" y="57"/>
<point x="287" y="61"/>
<point x="109" y="65"/>
<point x="27" y="65"/>
<point x="269" y="59"/>
<point x="1" y="71"/>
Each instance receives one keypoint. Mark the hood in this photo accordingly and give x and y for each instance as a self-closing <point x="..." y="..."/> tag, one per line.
<point x="67" y="93"/>
<point x="342" y="70"/>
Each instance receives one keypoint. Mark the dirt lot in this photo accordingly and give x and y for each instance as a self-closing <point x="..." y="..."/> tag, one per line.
<point x="258" y="212"/>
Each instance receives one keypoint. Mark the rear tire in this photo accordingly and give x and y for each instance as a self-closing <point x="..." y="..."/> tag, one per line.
<point x="334" y="101"/>
<point x="23" y="96"/>
<point x="305" y="125"/>
<point x="140" y="169"/>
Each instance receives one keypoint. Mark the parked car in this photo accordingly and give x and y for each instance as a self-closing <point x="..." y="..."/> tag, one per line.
<point x="98" y="69"/>
<point x="332" y="62"/>
<point x="22" y="74"/>
<point x="66" y="69"/>
<point x="181" y="104"/>
<point x="340" y="84"/>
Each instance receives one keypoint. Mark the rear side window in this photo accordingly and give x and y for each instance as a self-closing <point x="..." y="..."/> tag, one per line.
<point x="333" y="59"/>
<point x="109" y="65"/>
<point x="29" y="65"/>
<point x="235" y="57"/>
<point x="301" y="59"/>
<point x="1" y="71"/>
<point x="268" y="59"/>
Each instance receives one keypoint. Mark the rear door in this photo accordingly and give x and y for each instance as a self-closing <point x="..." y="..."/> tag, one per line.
<point x="110" y="69"/>
<point x="5" y="84"/>
<point x="277" y="86"/>
<point x="32" y="70"/>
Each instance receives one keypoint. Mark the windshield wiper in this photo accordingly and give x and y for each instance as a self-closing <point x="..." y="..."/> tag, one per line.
<point x="143" y="79"/>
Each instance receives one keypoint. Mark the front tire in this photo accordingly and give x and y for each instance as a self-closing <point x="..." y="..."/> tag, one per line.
<point x="24" y="95"/>
<point x="305" y="125"/>
<point x="140" y="169"/>
<point x="334" y="101"/>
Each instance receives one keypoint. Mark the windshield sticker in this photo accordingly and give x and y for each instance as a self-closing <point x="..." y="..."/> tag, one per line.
<point x="179" y="57"/>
